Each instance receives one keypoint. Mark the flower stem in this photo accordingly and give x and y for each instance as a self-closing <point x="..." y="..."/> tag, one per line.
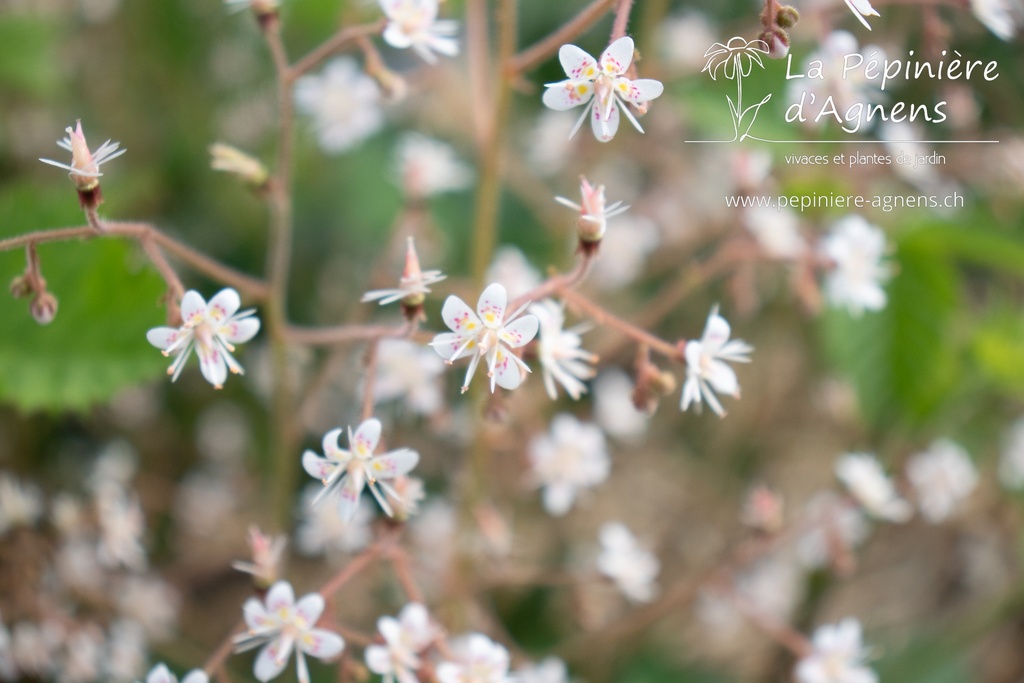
<point x="549" y="45"/>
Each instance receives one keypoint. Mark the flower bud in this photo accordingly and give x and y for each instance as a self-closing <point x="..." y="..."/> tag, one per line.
<point x="246" y="168"/>
<point x="777" y="41"/>
<point x="787" y="17"/>
<point x="20" y="287"/>
<point x="763" y="510"/>
<point x="267" y="552"/>
<point x="43" y="308"/>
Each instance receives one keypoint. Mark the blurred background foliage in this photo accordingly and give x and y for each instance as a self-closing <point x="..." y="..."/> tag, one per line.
<point x="167" y="78"/>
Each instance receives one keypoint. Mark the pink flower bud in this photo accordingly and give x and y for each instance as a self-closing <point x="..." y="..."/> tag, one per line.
<point x="44" y="308"/>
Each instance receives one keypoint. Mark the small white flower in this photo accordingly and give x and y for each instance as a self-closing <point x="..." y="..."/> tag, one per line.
<point x="479" y="660"/>
<point x="85" y="165"/>
<point x="427" y="166"/>
<point x="682" y="40"/>
<point x="562" y="359"/>
<point x="601" y="87"/>
<point x="863" y="476"/>
<point x="838" y="656"/>
<point x="344" y="103"/>
<point x="860" y="9"/>
<point x="624" y="252"/>
<point x="405" y="638"/>
<point x="942" y="476"/>
<point x="486" y="334"/>
<point x="777" y="231"/>
<point x="614" y="409"/>
<point x="631" y="567"/>
<point x="150" y="602"/>
<point x="347" y="471"/>
<point x="413" y="285"/>
<point x="548" y="670"/>
<point x="20" y="504"/>
<point x="572" y="456"/>
<point x="593" y="214"/>
<point x="832" y="524"/>
<point x="514" y="270"/>
<point x="321" y="531"/>
<point x="1011" y="461"/>
<point x="706" y="373"/>
<point x="998" y="17"/>
<point x="121" y="528"/>
<point x="409" y="371"/>
<point x="856" y="248"/>
<point x="161" y="674"/>
<point x="212" y="330"/>
<point x="414" y="23"/>
<point x="280" y="624"/>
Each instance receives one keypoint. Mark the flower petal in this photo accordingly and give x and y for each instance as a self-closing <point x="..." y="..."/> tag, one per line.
<point x="506" y="371"/>
<point x="224" y="304"/>
<point x="605" y="128"/>
<point x="193" y="307"/>
<point x="330" y="444"/>
<point x="722" y="378"/>
<point x="196" y="676"/>
<point x="348" y="496"/>
<point x="520" y="331"/>
<point x="448" y="343"/>
<point x="367" y="435"/>
<point x="240" y="331"/>
<point x="378" y="659"/>
<point x="212" y="364"/>
<point x="618" y="56"/>
<point x="280" y="596"/>
<point x="322" y="644"/>
<point x="318" y="467"/>
<point x="393" y="464"/>
<point x="162" y="337"/>
<point x="577" y="63"/>
<point x="638" y="91"/>
<point x="567" y="94"/>
<point x="160" y="674"/>
<point x="491" y="306"/>
<point x="272" y="659"/>
<point x="310" y="607"/>
<point x="459" y="317"/>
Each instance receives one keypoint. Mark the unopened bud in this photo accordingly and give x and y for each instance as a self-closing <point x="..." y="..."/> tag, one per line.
<point x="248" y="169"/>
<point x="777" y="41"/>
<point x="787" y="16"/>
<point x="664" y="383"/>
<point x="763" y="510"/>
<point x="43" y="308"/>
<point x="20" y="287"/>
<point x="267" y="552"/>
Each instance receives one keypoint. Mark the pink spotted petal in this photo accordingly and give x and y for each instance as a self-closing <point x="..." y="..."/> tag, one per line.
<point x="162" y="337"/>
<point x="491" y="306"/>
<point x="567" y="94"/>
<point x="224" y="304"/>
<point x="322" y="644"/>
<point x="578" y="65"/>
<point x="365" y="440"/>
<point x="638" y="91"/>
<point x="617" y="58"/>
<point x="280" y="596"/>
<point x="393" y="464"/>
<point x="240" y="331"/>
<point x="459" y="317"/>
<point x="193" y="307"/>
<point x="348" y="495"/>
<point x="310" y="607"/>
<point x="605" y="125"/>
<point x="506" y="371"/>
<point x="272" y="659"/>
<point x="330" y="444"/>
<point x="520" y="331"/>
<point x="716" y="332"/>
<point x="255" y="614"/>
<point x="447" y="343"/>
<point x="317" y="467"/>
<point x="212" y="364"/>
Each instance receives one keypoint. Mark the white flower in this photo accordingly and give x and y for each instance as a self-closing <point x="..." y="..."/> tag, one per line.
<point x="125" y="658"/>
<point x="513" y="269"/>
<point x="161" y="674"/>
<point x="863" y="476"/>
<point x="486" y="334"/>
<point x="942" y="476"/>
<point x="548" y="670"/>
<point x="832" y="524"/>
<point x="150" y="602"/>
<point x="838" y="656"/>
<point x="480" y="660"/>
<point x="572" y="456"/>
<point x="624" y="252"/>
<point x="404" y="637"/>
<point x="860" y="9"/>
<point x="706" y="373"/>
<point x="997" y="15"/>
<point x="561" y="358"/>
<point x="212" y="330"/>
<point x="682" y="40"/>
<point x="602" y="83"/>
<point x="407" y="370"/>
<point x="414" y="23"/>
<point x="85" y="165"/>
<point x="322" y="531"/>
<point x="413" y="285"/>
<point x="427" y="166"/>
<point x="348" y="471"/>
<point x="20" y="504"/>
<point x="344" y="103"/>
<point x="594" y="215"/>
<point x="776" y="231"/>
<point x="281" y="624"/>
<point x="121" y="528"/>
<point x="1011" y="461"/>
<point x="614" y="409"/>
<point x="631" y="567"/>
<point x="856" y="248"/>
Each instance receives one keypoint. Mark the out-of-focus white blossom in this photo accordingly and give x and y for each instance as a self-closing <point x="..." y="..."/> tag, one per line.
<point x="865" y="479"/>
<point x="344" y="103"/>
<point x="82" y="660"/>
<point x="1011" y="461"/>
<point x="409" y="371"/>
<point x="777" y="231"/>
<point x="561" y="357"/>
<point x="405" y="638"/>
<point x="485" y="335"/>
<point x="838" y="656"/>
<point x="212" y="330"/>
<point x="548" y="143"/>
<point x="161" y="674"/>
<point x="831" y="524"/>
<point x="706" y="371"/>
<point x="322" y="531"/>
<point x="613" y="407"/>
<point x="548" y="670"/>
<point x="85" y="165"/>
<point x="149" y="601"/>
<point x="602" y="87"/>
<point x="623" y="560"/>
<point x="125" y="658"/>
<point x="426" y="166"/>
<point x="20" y="504"/>
<point x="280" y="624"/>
<point x="478" y="660"/>
<point x="34" y="647"/>
<point x="511" y="268"/>
<point x="571" y="457"/>
<point x="121" y="528"/>
<point x="405" y="495"/>
<point x="684" y="39"/>
<point x="942" y="476"/>
<point x="998" y="17"/>
<point x="413" y="285"/>
<point x="856" y="248"/>
<point x="204" y="500"/>
<point x="624" y="252"/>
<point x="346" y="472"/>
<point x="414" y="23"/>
